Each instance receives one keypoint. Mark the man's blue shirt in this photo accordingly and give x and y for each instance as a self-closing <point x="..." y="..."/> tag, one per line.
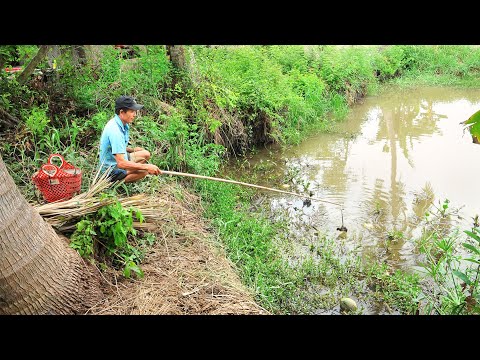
<point x="114" y="140"/>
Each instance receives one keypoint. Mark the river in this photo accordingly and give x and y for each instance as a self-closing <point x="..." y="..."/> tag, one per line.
<point x="394" y="158"/>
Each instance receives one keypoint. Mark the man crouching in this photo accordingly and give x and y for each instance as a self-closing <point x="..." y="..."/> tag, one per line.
<point x="127" y="164"/>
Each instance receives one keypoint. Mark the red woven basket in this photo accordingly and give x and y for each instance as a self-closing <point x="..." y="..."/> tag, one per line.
<point x="58" y="182"/>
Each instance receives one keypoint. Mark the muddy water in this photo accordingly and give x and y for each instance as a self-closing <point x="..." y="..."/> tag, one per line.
<point x="395" y="156"/>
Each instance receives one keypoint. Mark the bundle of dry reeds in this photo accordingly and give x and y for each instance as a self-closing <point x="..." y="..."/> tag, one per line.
<point x="62" y="214"/>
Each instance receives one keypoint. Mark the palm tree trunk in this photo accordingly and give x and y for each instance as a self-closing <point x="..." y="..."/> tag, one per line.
<point x="39" y="272"/>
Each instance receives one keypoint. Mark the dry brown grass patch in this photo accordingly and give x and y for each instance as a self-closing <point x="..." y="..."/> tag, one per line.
<point x="186" y="272"/>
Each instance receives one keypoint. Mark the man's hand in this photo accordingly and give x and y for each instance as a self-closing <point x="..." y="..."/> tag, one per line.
<point x="133" y="167"/>
<point x="153" y="169"/>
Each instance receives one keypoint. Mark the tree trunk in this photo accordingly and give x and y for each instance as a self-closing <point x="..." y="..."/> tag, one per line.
<point x="42" y="52"/>
<point x="79" y="54"/>
<point x="177" y="55"/>
<point x="3" y="60"/>
<point x="39" y="272"/>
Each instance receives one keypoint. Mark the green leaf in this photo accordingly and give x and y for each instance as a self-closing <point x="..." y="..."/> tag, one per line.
<point x="472" y="235"/>
<point x="137" y="270"/>
<point x="462" y="276"/>
<point x="472" y="260"/>
<point x="474" y="122"/>
<point x="471" y="248"/>
<point x="126" y="271"/>
<point x="139" y="216"/>
<point x="131" y="266"/>
<point x="475" y="118"/>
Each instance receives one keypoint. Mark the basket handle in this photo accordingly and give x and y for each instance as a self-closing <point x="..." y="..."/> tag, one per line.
<point x="48" y="168"/>
<point x="56" y="156"/>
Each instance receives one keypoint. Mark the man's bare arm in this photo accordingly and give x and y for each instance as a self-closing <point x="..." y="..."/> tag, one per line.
<point x="133" y="166"/>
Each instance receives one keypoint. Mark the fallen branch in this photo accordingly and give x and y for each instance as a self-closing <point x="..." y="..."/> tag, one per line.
<point x="8" y="119"/>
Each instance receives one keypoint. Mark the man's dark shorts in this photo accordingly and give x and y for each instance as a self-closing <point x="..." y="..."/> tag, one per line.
<point x="117" y="174"/>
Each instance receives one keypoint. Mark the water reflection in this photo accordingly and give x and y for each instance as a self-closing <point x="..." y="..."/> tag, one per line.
<point x="393" y="157"/>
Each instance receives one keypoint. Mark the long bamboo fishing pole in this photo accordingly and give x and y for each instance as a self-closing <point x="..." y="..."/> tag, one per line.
<point x="342" y="228"/>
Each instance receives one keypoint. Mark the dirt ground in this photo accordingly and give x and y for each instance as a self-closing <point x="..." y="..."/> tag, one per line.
<point x="186" y="271"/>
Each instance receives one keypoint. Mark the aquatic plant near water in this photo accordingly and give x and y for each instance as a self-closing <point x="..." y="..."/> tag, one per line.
<point x="473" y="124"/>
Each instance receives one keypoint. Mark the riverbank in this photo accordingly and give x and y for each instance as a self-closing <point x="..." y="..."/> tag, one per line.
<point x="186" y="270"/>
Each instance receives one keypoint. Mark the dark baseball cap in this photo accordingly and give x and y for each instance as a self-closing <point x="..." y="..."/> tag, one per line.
<point x="127" y="102"/>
